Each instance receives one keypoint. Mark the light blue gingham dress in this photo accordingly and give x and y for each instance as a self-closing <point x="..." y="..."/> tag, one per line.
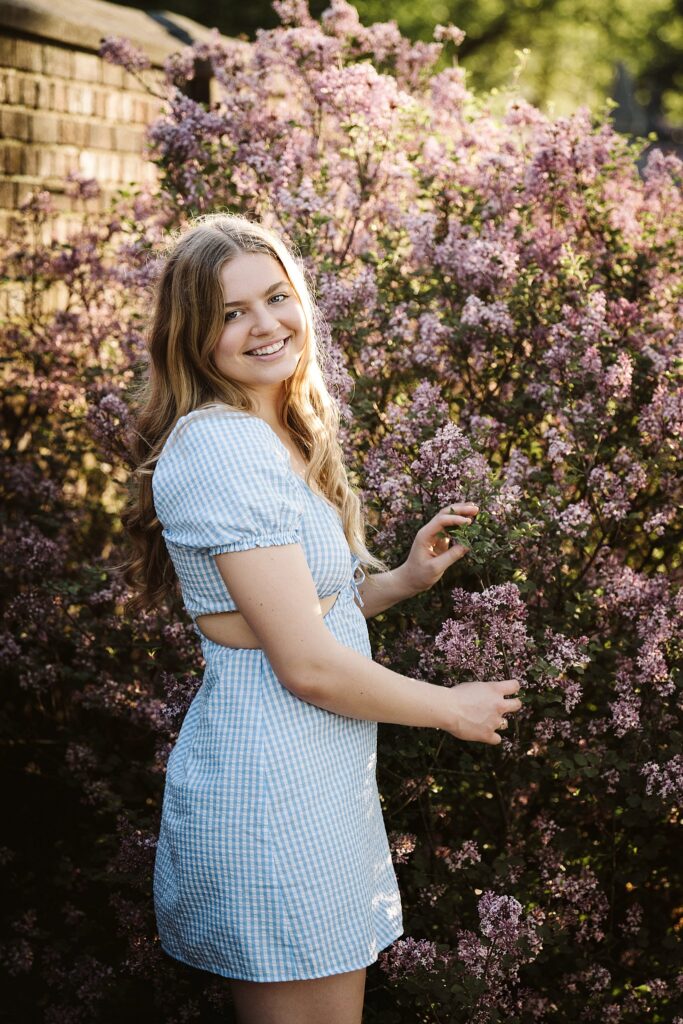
<point x="272" y="862"/>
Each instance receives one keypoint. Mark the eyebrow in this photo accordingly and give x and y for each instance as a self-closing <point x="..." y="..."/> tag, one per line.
<point x="273" y="287"/>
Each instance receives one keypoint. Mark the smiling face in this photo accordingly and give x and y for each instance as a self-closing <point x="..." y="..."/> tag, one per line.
<point x="262" y="310"/>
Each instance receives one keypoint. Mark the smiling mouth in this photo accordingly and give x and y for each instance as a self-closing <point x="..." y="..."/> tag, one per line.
<point x="259" y="354"/>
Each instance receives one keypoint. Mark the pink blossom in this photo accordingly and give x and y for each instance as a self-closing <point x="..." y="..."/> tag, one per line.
<point x="455" y="860"/>
<point x="449" y="33"/>
<point x="180" y="67"/>
<point x="581" y="904"/>
<point x="633" y="920"/>
<point x="420" y="227"/>
<point x="495" y="315"/>
<point x="661" y="421"/>
<point x="431" y="894"/>
<point x="487" y="638"/>
<point x="402" y="845"/>
<point x="406" y="956"/>
<point x="341" y="19"/>
<point x="666" y="779"/>
<point x="81" y="187"/>
<point x="293" y="12"/>
<point x="118" y="50"/>
<point x="485" y="262"/>
<point x="619" y="376"/>
<point x="358" y="92"/>
<point x="449" y="92"/>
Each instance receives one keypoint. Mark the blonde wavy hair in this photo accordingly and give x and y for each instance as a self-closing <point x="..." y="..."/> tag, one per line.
<point x="185" y="324"/>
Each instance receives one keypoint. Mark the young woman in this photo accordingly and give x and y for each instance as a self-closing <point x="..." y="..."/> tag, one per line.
<point x="273" y="866"/>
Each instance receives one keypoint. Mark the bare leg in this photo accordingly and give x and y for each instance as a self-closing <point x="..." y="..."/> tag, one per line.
<point x="337" y="999"/>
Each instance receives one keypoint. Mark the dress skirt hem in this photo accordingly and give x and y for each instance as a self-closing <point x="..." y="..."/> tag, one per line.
<point x="223" y="971"/>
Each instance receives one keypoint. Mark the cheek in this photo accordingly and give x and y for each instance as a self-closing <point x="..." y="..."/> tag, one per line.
<point x="227" y="343"/>
<point x="298" y="320"/>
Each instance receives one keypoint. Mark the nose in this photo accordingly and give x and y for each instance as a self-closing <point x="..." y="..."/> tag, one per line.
<point x="264" y="321"/>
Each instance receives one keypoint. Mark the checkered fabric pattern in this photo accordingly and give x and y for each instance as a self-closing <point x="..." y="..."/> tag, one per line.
<point x="273" y="862"/>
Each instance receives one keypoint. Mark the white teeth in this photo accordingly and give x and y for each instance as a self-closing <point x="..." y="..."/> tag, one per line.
<point x="267" y="351"/>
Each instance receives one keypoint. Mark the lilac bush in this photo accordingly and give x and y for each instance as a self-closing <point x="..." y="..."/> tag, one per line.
<point x="501" y="295"/>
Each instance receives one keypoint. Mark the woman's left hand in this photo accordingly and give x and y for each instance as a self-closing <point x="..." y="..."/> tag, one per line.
<point x="432" y="552"/>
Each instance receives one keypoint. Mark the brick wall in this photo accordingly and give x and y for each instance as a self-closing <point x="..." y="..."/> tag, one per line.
<point x="63" y="108"/>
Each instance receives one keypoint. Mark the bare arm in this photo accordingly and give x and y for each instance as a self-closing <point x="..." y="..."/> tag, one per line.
<point x="348" y="683"/>
<point x="275" y="592"/>
<point x="382" y="590"/>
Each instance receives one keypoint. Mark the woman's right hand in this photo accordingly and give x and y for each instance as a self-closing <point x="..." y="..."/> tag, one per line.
<point x="476" y="709"/>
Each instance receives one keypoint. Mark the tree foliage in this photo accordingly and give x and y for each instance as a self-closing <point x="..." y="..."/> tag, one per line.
<point x="574" y="48"/>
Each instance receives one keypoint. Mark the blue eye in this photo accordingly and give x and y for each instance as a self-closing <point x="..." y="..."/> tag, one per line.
<point x="232" y="314"/>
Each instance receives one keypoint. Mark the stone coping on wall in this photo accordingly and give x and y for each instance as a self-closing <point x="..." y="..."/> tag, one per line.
<point x="81" y="25"/>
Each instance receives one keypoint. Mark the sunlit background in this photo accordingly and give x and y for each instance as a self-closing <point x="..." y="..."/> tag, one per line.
<point x="580" y="51"/>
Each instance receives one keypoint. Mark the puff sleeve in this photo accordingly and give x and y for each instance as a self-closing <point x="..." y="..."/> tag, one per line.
<point x="223" y="482"/>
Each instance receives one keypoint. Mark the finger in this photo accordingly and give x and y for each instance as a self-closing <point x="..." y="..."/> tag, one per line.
<point x="441" y="535"/>
<point x="466" y="509"/>
<point x="459" y="517"/>
<point x="506" y="686"/>
<point x="450" y="555"/>
<point x="512" y="704"/>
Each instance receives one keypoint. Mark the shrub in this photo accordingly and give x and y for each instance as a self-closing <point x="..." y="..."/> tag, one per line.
<point x="501" y="293"/>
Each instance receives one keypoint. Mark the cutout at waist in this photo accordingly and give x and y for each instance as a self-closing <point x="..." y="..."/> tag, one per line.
<point x="230" y="629"/>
